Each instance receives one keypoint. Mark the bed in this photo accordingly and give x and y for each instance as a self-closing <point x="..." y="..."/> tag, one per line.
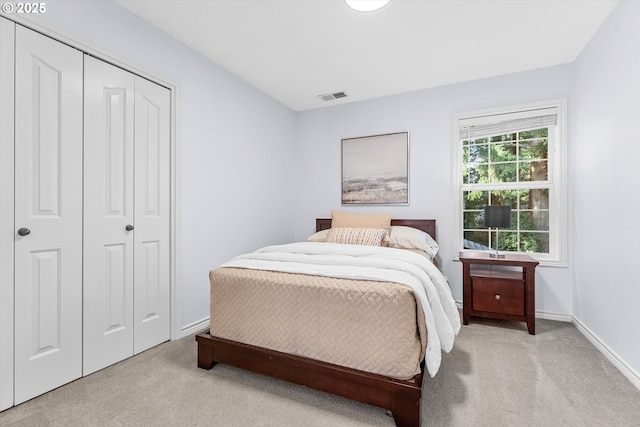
<point x="242" y="287"/>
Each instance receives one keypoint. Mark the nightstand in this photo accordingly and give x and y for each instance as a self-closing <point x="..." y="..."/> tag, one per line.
<point x="498" y="293"/>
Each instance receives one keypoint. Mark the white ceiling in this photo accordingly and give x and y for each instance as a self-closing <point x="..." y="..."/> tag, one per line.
<point x="295" y="50"/>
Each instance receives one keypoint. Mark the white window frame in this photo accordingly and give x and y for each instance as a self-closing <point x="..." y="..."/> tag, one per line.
<point x="557" y="158"/>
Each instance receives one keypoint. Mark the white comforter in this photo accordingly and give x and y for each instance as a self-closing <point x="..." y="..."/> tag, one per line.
<point x="371" y="263"/>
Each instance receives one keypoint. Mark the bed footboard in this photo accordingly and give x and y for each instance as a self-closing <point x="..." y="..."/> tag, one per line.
<point x="401" y="397"/>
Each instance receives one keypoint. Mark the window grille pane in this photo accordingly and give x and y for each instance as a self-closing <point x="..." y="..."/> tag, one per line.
<point x="508" y="240"/>
<point x="533" y="171"/>
<point x="474" y="174"/>
<point x="505" y="137"/>
<point x="504" y="152"/>
<point x="534" y="242"/>
<point x="504" y="198"/>
<point x="539" y="198"/>
<point x="534" y="149"/>
<point x="503" y="172"/>
<point x="536" y="133"/>
<point x="475" y="199"/>
<point x="534" y="220"/>
<point x="477" y="240"/>
<point x="534" y="198"/>
<point x="473" y="219"/>
<point x="475" y="154"/>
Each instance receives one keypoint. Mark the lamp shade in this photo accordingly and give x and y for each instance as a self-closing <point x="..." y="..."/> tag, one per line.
<point x="497" y="216"/>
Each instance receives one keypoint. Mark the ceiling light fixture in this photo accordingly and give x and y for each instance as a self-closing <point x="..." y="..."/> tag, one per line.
<point x="366" y="5"/>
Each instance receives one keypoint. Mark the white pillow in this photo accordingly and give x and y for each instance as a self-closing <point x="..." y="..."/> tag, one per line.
<point x="411" y="238"/>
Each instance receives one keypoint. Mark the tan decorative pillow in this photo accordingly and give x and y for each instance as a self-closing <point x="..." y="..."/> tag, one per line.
<point x="356" y="236"/>
<point x="320" y="236"/>
<point x="340" y="219"/>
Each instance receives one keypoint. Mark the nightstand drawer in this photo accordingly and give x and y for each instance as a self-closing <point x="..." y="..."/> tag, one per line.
<point x="497" y="295"/>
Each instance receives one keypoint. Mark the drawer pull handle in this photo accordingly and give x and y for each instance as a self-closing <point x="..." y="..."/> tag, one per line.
<point x="497" y="297"/>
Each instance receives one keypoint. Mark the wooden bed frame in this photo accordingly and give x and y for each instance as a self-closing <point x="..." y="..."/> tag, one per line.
<point x="401" y="397"/>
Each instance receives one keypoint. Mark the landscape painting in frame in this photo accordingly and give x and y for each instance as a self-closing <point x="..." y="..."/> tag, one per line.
<point x="375" y="169"/>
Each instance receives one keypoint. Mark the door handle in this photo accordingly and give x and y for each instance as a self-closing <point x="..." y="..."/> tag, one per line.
<point x="24" y="232"/>
<point x="129" y="227"/>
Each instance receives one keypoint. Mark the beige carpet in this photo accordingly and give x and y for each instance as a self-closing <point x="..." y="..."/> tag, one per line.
<point x="497" y="375"/>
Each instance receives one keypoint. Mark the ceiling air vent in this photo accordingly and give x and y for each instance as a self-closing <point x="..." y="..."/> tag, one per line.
<point x="332" y="96"/>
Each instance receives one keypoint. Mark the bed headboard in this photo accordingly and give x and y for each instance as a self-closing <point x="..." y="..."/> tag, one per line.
<point x="426" y="225"/>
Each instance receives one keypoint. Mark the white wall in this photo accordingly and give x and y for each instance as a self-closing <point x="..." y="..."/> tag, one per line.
<point x="427" y="116"/>
<point x="606" y="117"/>
<point x="236" y="145"/>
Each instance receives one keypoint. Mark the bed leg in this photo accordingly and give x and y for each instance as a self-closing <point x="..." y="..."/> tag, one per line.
<point x="406" y="410"/>
<point x="205" y="352"/>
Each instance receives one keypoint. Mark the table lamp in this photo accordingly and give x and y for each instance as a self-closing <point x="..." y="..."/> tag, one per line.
<point x="497" y="217"/>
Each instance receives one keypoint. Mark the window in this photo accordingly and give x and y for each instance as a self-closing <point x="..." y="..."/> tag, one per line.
<point x="513" y="156"/>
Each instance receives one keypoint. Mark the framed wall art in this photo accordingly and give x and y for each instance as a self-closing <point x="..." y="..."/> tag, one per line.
<point x="375" y="169"/>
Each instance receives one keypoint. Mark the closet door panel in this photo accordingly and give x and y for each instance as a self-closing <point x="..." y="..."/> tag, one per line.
<point x="7" y="232"/>
<point x="48" y="203"/>
<point x="108" y="210"/>
<point x="152" y="213"/>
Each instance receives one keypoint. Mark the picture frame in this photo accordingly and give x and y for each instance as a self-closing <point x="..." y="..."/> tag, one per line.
<point x="375" y="169"/>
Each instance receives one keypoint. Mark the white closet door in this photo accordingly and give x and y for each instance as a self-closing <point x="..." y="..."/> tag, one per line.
<point x="48" y="202"/>
<point x="108" y="213"/>
<point x="152" y="215"/>
<point x="7" y="232"/>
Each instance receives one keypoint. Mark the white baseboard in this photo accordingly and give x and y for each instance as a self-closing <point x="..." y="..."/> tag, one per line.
<point x="195" y="327"/>
<point x="554" y="316"/>
<point x="611" y="355"/>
